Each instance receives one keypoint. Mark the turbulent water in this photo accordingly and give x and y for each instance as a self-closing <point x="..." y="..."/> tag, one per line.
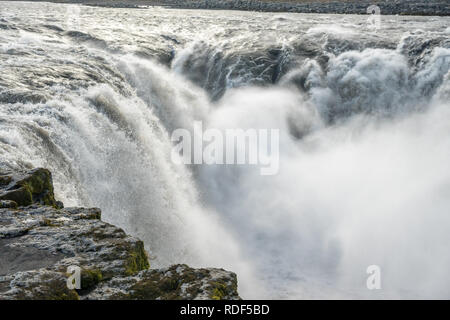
<point x="364" y="116"/>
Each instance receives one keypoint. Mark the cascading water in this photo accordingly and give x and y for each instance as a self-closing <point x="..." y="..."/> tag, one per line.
<point x="364" y="138"/>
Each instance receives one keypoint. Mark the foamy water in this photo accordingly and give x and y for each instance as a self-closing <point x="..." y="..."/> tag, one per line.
<point x="93" y="94"/>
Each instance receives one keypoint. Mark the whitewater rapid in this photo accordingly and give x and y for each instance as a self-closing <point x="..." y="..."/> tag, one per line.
<point x="94" y="94"/>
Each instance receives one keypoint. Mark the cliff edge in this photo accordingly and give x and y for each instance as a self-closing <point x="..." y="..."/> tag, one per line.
<point x="40" y="240"/>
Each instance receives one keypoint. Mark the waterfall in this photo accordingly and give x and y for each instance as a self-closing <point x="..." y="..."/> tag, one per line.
<point x="364" y="139"/>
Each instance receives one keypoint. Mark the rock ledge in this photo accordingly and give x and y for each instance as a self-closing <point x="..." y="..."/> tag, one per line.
<point x="39" y="240"/>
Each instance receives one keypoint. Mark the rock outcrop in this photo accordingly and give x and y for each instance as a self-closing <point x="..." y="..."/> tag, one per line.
<point x="40" y="240"/>
<point x="23" y="189"/>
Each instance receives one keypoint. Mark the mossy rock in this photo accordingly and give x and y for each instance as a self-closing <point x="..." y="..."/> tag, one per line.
<point x="5" y="180"/>
<point x="137" y="259"/>
<point x="182" y="282"/>
<point x="39" y="183"/>
<point x="22" y="196"/>
<point x="8" y="204"/>
<point x="34" y="187"/>
<point x="153" y="287"/>
<point x="90" y="278"/>
<point x="93" y="214"/>
<point x="51" y="290"/>
<point x="220" y="290"/>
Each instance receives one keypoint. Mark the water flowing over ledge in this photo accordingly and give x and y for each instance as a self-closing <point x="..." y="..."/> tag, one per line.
<point x="93" y="94"/>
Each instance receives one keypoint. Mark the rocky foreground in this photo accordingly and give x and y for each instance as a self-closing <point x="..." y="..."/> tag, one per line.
<point x="39" y="240"/>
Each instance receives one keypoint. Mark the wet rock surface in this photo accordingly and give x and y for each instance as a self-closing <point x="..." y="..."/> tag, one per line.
<point x="38" y="243"/>
<point x="175" y="282"/>
<point x="25" y="188"/>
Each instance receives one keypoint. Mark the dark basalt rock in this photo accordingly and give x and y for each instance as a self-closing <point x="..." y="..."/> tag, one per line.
<point x="26" y="188"/>
<point x="39" y="240"/>
<point x="8" y="204"/>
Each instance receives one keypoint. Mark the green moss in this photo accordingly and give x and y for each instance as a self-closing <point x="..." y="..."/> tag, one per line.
<point x="137" y="259"/>
<point x="170" y="284"/>
<point x="22" y="196"/>
<point x="90" y="278"/>
<point x="51" y="290"/>
<point x="153" y="287"/>
<point x="59" y="291"/>
<point x="220" y="290"/>
<point x="36" y="187"/>
<point x="167" y="285"/>
<point x="145" y="290"/>
<point x="39" y="184"/>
